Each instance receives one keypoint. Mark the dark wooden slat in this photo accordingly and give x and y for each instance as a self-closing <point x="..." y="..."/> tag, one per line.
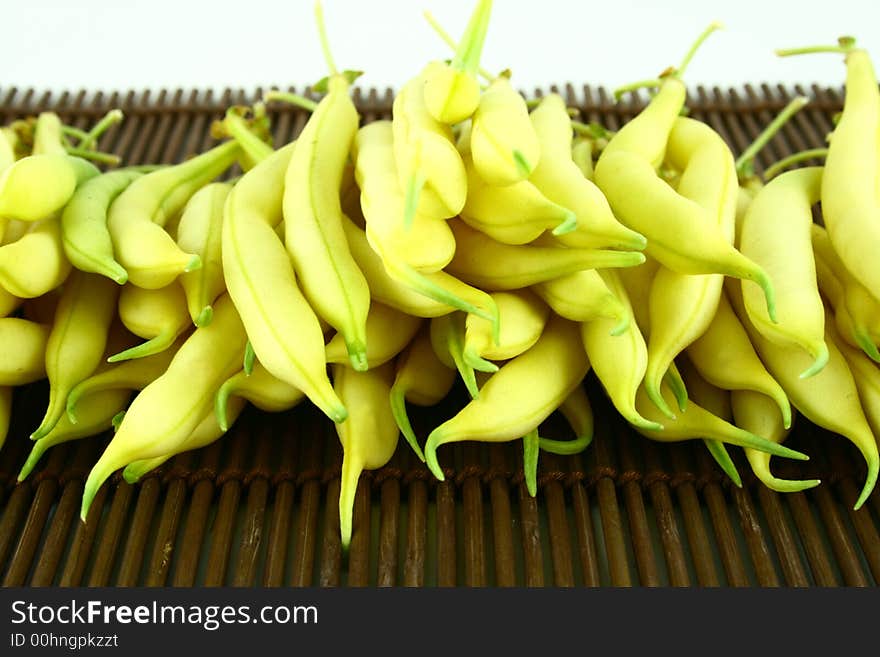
<point x="656" y="481"/>
<point x="502" y="525"/>
<point x="472" y="506"/>
<point x="305" y="543"/>
<point x="695" y="527"/>
<point x="552" y="491"/>
<point x="416" y="533"/>
<point x="631" y="489"/>
<point x="389" y="522"/>
<point x="282" y="511"/>
<point x="751" y="525"/>
<point x="202" y="487"/>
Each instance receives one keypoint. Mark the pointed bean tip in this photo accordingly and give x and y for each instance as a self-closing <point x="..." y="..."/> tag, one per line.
<point x="654" y="394"/>
<point x="357" y="355"/>
<point x="338" y="415"/>
<point x="204" y="318"/>
<point x="818" y="364"/>
<point x="434" y="441"/>
<point x="193" y="264"/>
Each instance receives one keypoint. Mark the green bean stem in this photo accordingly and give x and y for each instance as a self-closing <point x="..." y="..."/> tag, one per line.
<point x="531" y="447"/>
<point x="778" y="167"/>
<point x="745" y="163"/>
<point x="447" y="38"/>
<point x="289" y="97"/>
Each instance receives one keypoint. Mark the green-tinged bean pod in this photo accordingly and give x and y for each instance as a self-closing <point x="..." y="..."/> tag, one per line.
<point x="200" y="232"/>
<point x="95" y="414"/>
<point x="84" y="232"/>
<point x="166" y="412"/>
<point x="137" y="218"/>
<point x="77" y="340"/>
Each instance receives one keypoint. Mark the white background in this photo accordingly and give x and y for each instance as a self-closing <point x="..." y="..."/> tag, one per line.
<point x="134" y="44"/>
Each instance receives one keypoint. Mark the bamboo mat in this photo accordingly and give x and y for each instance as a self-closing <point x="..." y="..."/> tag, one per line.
<point x="259" y="507"/>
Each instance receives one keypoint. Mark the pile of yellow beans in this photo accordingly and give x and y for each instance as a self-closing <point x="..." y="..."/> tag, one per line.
<point x="473" y="237"/>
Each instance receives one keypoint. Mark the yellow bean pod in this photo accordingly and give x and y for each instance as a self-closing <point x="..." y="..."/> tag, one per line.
<point x="157" y="315"/>
<point x="776" y="234"/>
<point x="76" y="343"/>
<point x="137" y="218"/>
<point x="481" y="261"/>
<point x="129" y="375"/>
<point x="561" y="181"/>
<point x="200" y="232"/>
<point x="206" y="432"/>
<point x="725" y="357"/>
<point x="451" y="90"/>
<point x="368" y="437"/>
<point x="522" y="315"/>
<point x="583" y="296"/>
<point x="856" y="308"/>
<point x="38" y="186"/>
<point x="716" y="401"/>
<point x="520" y="395"/>
<point x="167" y="411"/>
<point x="282" y="327"/>
<point x="513" y="214"/>
<point x="388" y="332"/>
<point x="695" y="422"/>
<point x="94" y="416"/>
<point x="620" y="360"/>
<point x="850" y="205"/>
<point x="504" y="145"/>
<point x="330" y="279"/>
<point x="429" y="169"/>
<point x="829" y="399"/>
<point x="35" y="263"/>
<point x="22" y="351"/>
<point x="681" y="306"/>
<point x="759" y="414"/>
<point x="260" y="388"/>
<point x="428" y="244"/>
